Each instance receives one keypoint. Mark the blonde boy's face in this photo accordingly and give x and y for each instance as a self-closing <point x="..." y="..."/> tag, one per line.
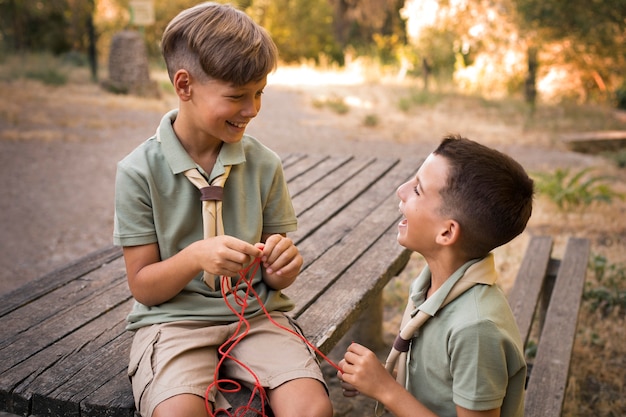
<point x="420" y="203"/>
<point x="221" y="110"/>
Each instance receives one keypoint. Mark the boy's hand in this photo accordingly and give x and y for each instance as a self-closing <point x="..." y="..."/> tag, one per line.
<point x="281" y="261"/>
<point x="363" y="372"/>
<point x="348" y="389"/>
<point x="226" y="255"/>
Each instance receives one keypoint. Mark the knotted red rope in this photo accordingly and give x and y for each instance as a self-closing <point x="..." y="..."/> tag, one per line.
<point x="226" y="348"/>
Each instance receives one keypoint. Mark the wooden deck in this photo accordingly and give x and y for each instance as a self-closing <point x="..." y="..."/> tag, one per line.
<point x="63" y="343"/>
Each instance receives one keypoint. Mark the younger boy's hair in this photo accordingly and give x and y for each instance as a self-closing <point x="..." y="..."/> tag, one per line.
<point x="218" y="41"/>
<point x="488" y="193"/>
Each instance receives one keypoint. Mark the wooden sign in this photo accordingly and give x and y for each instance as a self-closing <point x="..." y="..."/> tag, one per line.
<point x="142" y="12"/>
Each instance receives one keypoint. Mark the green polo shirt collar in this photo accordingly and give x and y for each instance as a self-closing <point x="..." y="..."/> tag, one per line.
<point x="484" y="272"/>
<point x="179" y="160"/>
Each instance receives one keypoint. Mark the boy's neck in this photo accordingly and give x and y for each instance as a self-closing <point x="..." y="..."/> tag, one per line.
<point x="441" y="268"/>
<point x="203" y="152"/>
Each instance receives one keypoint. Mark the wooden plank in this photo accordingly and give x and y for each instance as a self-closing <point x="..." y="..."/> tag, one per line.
<point x="81" y="301"/>
<point x="314" y="281"/>
<point x="546" y="387"/>
<point x="342" y="239"/>
<point x="529" y="283"/>
<point x="596" y="142"/>
<point x="329" y="318"/>
<point x="54" y="365"/>
<point x="290" y="159"/>
<point x="82" y="378"/>
<point x="301" y="166"/>
<point x="334" y="216"/>
<point x="113" y="399"/>
<point x="56" y="279"/>
<point x="324" y="181"/>
<point x="365" y="187"/>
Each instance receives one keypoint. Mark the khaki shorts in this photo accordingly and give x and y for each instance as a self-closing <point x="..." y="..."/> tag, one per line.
<point x="180" y="358"/>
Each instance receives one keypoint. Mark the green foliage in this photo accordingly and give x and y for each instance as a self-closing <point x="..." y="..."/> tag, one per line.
<point x="592" y="33"/>
<point x="570" y="191"/>
<point x="438" y="47"/>
<point x="619" y="157"/>
<point x="54" y="26"/>
<point x="418" y="98"/>
<point x="609" y="291"/>
<point x="49" y="76"/>
<point x="531" y="349"/>
<point x="336" y="104"/>
<point x="302" y="29"/>
<point x="44" y="67"/>
<point x="371" y="120"/>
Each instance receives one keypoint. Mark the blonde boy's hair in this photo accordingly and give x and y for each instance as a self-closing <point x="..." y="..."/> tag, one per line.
<point x="218" y="41"/>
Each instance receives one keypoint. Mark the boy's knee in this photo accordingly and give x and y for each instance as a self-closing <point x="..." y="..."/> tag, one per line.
<point x="305" y="397"/>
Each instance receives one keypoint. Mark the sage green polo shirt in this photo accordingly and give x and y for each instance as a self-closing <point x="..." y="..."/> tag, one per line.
<point x="156" y="203"/>
<point x="468" y="354"/>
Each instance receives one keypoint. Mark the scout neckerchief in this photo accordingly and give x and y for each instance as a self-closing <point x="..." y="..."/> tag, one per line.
<point x="211" y="196"/>
<point x="481" y="271"/>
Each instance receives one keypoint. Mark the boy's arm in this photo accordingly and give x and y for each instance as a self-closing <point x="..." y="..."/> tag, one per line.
<point x="153" y="281"/>
<point x="362" y="371"/>
<point x="281" y="261"/>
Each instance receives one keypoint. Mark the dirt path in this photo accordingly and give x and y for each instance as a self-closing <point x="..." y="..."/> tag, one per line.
<point x="59" y="148"/>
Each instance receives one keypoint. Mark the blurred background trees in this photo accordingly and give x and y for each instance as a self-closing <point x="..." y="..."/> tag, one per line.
<point x="558" y="49"/>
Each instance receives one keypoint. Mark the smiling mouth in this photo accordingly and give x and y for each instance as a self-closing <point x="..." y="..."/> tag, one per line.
<point x="238" y="125"/>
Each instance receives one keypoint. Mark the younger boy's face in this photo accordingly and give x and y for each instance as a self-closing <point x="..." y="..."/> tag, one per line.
<point x="222" y="110"/>
<point x="420" y="203"/>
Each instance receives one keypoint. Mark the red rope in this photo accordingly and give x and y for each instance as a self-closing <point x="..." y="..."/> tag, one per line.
<point x="226" y="348"/>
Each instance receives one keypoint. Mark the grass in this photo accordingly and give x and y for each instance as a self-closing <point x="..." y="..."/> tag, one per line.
<point x="573" y="191"/>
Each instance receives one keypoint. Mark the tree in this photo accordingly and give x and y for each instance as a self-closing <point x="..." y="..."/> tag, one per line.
<point x="593" y="33"/>
<point x="302" y="29"/>
<point x="55" y="26"/>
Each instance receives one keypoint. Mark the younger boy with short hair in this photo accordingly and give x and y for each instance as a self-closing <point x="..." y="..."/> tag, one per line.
<point x="218" y="60"/>
<point x="467" y="359"/>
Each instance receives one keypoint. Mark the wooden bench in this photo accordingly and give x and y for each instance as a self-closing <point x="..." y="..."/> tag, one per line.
<point x="596" y="142"/>
<point x="63" y="343"/>
<point x="545" y="300"/>
<point x="64" y="348"/>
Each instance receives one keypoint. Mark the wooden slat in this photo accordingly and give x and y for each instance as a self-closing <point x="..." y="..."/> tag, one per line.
<point x="113" y="399"/>
<point x="55" y="362"/>
<point x="529" y="283"/>
<point x="315" y="280"/>
<point x="311" y="171"/>
<point x="330" y="317"/>
<point x="348" y="234"/>
<point x="342" y="211"/>
<point x="47" y="320"/>
<point x="81" y="378"/>
<point x="546" y="387"/>
<point x="325" y="180"/>
<point x="301" y="166"/>
<point x="44" y="285"/>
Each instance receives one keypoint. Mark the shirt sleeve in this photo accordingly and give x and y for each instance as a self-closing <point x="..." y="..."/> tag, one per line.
<point x="480" y="359"/>
<point x="278" y="214"/>
<point x="133" y="221"/>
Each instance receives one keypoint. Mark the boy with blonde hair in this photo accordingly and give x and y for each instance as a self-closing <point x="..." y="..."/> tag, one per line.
<point x="218" y="60"/>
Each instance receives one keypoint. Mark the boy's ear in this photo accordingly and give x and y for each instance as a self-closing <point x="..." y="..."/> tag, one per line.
<point x="450" y="234"/>
<point x="182" y="84"/>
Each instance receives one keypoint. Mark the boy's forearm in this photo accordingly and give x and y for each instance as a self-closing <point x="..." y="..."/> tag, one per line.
<point x="157" y="282"/>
